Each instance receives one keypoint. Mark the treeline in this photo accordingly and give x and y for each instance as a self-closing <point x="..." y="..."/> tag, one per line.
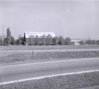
<point x="48" y="40"/>
<point x="43" y="40"/>
<point x="12" y="41"/>
<point x="89" y="42"/>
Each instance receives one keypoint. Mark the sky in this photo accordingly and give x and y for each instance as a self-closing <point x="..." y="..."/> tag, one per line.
<point x="78" y="19"/>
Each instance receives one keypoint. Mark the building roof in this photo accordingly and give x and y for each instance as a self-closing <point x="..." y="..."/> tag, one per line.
<point x="39" y="34"/>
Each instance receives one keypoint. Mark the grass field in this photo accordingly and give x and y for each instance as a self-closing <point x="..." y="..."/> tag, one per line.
<point x="73" y="81"/>
<point x="33" y="56"/>
<point x="12" y="54"/>
<point x="93" y="87"/>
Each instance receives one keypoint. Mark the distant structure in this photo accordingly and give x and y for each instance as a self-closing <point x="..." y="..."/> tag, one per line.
<point x="39" y="34"/>
<point x="75" y="41"/>
<point x="33" y="38"/>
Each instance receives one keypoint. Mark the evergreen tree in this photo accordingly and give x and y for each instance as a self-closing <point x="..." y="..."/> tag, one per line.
<point x="8" y="36"/>
<point x="24" y="40"/>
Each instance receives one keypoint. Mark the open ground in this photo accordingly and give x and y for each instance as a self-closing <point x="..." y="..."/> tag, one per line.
<point x="17" y="54"/>
<point x="79" y="58"/>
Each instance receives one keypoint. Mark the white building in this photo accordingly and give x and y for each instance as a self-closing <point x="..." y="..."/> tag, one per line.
<point x="75" y="41"/>
<point x="33" y="38"/>
<point x="39" y="34"/>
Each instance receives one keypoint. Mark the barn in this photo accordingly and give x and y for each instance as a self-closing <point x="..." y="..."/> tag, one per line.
<point x="34" y="38"/>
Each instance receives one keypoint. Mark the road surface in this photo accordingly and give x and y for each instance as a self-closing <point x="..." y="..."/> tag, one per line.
<point x="44" y="47"/>
<point x="31" y="70"/>
<point x="50" y="50"/>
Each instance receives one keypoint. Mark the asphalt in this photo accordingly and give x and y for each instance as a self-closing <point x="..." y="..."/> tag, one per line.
<point x="49" y="50"/>
<point x="32" y="70"/>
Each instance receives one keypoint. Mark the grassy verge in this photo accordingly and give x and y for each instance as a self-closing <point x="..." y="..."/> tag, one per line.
<point x="73" y="81"/>
<point x="12" y="57"/>
<point x="92" y="87"/>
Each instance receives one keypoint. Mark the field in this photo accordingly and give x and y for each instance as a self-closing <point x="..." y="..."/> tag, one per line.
<point x="24" y="54"/>
<point x="15" y="54"/>
<point x="93" y="87"/>
<point x="72" y="81"/>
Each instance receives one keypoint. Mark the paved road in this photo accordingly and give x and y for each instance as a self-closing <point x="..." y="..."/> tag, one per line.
<point x="48" y="50"/>
<point x="37" y="47"/>
<point x="23" y="71"/>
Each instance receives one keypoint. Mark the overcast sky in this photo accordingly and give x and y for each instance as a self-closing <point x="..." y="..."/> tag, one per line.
<point x="70" y="18"/>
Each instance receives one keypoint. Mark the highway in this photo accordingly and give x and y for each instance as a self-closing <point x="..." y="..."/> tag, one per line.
<point x="50" y="50"/>
<point x="32" y="70"/>
<point x="45" y="47"/>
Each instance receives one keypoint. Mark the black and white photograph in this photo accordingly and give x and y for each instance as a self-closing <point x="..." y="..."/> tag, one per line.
<point x="49" y="44"/>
